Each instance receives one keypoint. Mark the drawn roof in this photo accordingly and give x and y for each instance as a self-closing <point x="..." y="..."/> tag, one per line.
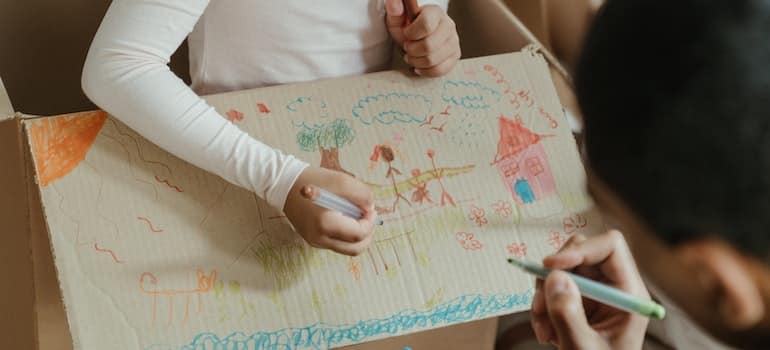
<point x="514" y="138"/>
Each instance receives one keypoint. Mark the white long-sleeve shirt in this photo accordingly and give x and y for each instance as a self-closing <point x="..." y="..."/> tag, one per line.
<point x="234" y="44"/>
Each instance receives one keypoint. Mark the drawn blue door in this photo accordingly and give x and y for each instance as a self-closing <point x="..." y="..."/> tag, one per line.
<point x="522" y="188"/>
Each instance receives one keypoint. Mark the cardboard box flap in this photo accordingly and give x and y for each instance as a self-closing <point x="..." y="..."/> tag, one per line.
<point x="17" y="305"/>
<point x="154" y="253"/>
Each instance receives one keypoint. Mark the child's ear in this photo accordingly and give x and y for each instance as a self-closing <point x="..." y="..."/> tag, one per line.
<point x="722" y="272"/>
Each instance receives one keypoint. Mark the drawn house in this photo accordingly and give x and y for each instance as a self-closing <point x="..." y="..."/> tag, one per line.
<point x="523" y="163"/>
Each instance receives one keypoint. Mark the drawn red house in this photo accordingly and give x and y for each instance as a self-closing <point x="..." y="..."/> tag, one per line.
<point x="523" y="163"/>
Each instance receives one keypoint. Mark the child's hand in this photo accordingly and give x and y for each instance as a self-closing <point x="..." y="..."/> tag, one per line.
<point x="562" y="317"/>
<point x="431" y="42"/>
<point x="323" y="228"/>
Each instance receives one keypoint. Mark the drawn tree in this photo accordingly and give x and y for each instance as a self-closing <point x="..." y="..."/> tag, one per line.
<point x="328" y="139"/>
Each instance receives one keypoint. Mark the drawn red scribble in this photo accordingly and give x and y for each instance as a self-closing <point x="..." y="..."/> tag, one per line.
<point x="429" y="122"/>
<point x="432" y="126"/>
<point x="478" y="216"/>
<point x="168" y="184"/>
<point x="108" y="251"/>
<point x="574" y="223"/>
<point x="502" y="208"/>
<point x="505" y="84"/>
<point x="556" y="240"/>
<point x="445" y="196"/>
<point x="149" y="224"/>
<point x="263" y="108"/>
<point x="468" y="241"/>
<point x="440" y="128"/>
<point x="518" y="250"/>
<point x="234" y="115"/>
<point x="446" y="110"/>
<point x="420" y="193"/>
<point x="355" y="269"/>
<point x="397" y="137"/>
<point x="546" y="115"/>
<point x="525" y="95"/>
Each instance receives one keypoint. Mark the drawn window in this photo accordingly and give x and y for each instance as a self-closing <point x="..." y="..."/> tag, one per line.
<point x="534" y="166"/>
<point x="510" y="169"/>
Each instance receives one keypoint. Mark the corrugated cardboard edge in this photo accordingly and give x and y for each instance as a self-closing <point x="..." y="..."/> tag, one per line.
<point x="502" y="31"/>
<point x="51" y="326"/>
<point x="17" y="300"/>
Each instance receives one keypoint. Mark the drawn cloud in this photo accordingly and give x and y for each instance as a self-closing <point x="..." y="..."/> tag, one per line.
<point x="392" y="108"/>
<point x="308" y="106"/>
<point x="469" y="95"/>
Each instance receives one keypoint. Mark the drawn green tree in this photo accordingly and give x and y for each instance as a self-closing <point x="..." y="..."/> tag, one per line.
<point x="328" y="139"/>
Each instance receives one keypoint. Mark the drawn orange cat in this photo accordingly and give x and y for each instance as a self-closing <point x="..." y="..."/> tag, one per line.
<point x="205" y="285"/>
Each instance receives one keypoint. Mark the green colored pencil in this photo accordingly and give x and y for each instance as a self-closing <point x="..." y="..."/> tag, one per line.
<point x="600" y="292"/>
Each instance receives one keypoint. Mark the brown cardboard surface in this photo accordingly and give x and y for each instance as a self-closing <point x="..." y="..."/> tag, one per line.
<point x="153" y="253"/>
<point x="50" y="318"/>
<point x="497" y="33"/>
<point x="17" y="302"/>
<point x="5" y="103"/>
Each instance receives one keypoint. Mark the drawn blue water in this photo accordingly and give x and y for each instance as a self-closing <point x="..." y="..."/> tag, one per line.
<point x="323" y="336"/>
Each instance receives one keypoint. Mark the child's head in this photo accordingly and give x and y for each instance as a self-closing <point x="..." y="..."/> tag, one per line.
<point x="676" y="98"/>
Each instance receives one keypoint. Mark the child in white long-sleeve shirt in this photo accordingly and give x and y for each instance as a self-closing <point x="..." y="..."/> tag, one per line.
<point x="237" y="44"/>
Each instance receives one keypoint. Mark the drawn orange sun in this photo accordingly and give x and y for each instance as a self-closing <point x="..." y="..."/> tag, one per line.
<point x="59" y="144"/>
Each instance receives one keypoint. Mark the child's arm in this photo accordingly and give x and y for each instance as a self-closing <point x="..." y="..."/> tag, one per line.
<point x="431" y="42"/>
<point x="126" y="74"/>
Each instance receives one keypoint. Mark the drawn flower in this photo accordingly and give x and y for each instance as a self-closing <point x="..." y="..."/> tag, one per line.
<point x="556" y="240"/>
<point x="420" y="193"/>
<point x="518" y="250"/>
<point x="468" y="241"/>
<point x="502" y="208"/>
<point x="574" y="223"/>
<point x="234" y="115"/>
<point x="478" y="215"/>
<point x="431" y="153"/>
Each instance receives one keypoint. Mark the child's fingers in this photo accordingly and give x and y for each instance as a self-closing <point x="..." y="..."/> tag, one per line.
<point x="440" y="69"/>
<point x="540" y="322"/>
<point x="430" y="43"/>
<point x="426" y="23"/>
<point x="346" y="248"/>
<point x="354" y="191"/>
<point x="337" y="226"/>
<point x="394" y="10"/>
<point x="608" y="252"/>
<point x="395" y="19"/>
<point x="444" y="52"/>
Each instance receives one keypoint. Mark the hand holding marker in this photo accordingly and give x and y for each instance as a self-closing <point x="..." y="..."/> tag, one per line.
<point x="331" y="201"/>
<point x="601" y="293"/>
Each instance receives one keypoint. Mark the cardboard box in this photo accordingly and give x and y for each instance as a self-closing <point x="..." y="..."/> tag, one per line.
<point x="5" y="103"/>
<point x="35" y="313"/>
